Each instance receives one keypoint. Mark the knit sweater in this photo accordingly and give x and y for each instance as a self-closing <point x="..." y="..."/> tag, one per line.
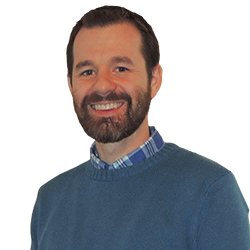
<point x="173" y="200"/>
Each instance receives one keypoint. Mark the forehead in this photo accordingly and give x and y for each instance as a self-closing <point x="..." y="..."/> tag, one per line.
<point x="113" y="40"/>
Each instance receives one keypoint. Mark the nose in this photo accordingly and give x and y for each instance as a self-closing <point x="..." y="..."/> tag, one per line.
<point x="104" y="84"/>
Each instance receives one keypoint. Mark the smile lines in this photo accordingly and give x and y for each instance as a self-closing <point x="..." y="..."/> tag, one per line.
<point x="108" y="106"/>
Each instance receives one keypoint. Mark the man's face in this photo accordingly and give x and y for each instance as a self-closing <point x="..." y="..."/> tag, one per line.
<point x="110" y="85"/>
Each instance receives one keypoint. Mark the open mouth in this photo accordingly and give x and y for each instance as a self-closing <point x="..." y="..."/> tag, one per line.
<point x="108" y="106"/>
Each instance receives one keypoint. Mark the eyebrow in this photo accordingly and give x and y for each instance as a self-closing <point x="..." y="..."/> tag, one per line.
<point x="84" y="64"/>
<point x="123" y="59"/>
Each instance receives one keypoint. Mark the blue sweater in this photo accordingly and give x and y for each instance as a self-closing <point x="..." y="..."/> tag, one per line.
<point x="173" y="200"/>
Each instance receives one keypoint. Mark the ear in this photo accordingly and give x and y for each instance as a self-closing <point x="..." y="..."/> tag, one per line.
<point x="70" y="84"/>
<point x="156" y="80"/>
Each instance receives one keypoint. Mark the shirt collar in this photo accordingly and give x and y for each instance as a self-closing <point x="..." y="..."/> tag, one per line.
<point x="147" y="149"/>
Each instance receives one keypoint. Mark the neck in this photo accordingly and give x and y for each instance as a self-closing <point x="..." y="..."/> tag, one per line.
<point x="111" y="152"/>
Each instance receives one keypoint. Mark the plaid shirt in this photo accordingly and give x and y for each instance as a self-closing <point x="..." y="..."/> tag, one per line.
<point x="147" y="149"/>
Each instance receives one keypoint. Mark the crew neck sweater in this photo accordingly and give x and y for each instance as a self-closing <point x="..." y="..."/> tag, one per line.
<point x="175" y="199"/>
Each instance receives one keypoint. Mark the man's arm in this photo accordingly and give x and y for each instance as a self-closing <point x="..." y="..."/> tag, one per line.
<point x="34" y="245"/>
<point x="223" y="221"/>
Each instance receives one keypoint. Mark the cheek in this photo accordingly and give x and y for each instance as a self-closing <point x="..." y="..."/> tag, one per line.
<point x="78" y="93"/>
<point x="133" y="84"/>
<point x="77" y="99"/>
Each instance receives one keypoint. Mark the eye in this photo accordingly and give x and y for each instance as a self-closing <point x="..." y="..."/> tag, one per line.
<point x="88" y="72"/>
<point x="121" y="69"/>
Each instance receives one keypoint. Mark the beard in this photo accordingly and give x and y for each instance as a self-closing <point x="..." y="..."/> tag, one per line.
<point x="113" y="128"/>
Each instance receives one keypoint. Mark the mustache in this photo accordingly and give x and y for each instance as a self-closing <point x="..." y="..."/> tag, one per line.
<point x="113" y="96"/>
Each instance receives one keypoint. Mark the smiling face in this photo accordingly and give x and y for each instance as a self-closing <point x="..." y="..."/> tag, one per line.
<point x="109" y="84"/>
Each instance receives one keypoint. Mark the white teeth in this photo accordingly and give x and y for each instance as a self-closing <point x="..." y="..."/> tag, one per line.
<point x="107" y="106"/>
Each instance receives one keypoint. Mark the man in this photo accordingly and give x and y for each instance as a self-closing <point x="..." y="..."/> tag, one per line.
<point x="135" y="192"/>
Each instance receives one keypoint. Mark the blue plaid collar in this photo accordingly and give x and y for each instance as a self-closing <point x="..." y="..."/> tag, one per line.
<point x="147" y="149"/>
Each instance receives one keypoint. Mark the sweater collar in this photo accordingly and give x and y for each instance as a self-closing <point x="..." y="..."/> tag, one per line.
<point x="147" y="149"/>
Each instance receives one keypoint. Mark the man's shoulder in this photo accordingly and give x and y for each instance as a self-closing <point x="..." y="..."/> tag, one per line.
<point x="65" y="179"/>
<point x="189" y="176"/>
<point x="193" y="166"/>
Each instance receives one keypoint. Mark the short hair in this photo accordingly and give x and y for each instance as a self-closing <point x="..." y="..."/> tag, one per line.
<point x="108" y="15"/>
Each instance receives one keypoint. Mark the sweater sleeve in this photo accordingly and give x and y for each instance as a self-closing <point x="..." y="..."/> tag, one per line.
<point x="223" y="221"/>
<point x="34" y="226"/>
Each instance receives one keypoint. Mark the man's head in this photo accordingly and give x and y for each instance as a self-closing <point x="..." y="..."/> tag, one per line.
<point x="108" y="15"/>
<point x="109" y="75"/>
